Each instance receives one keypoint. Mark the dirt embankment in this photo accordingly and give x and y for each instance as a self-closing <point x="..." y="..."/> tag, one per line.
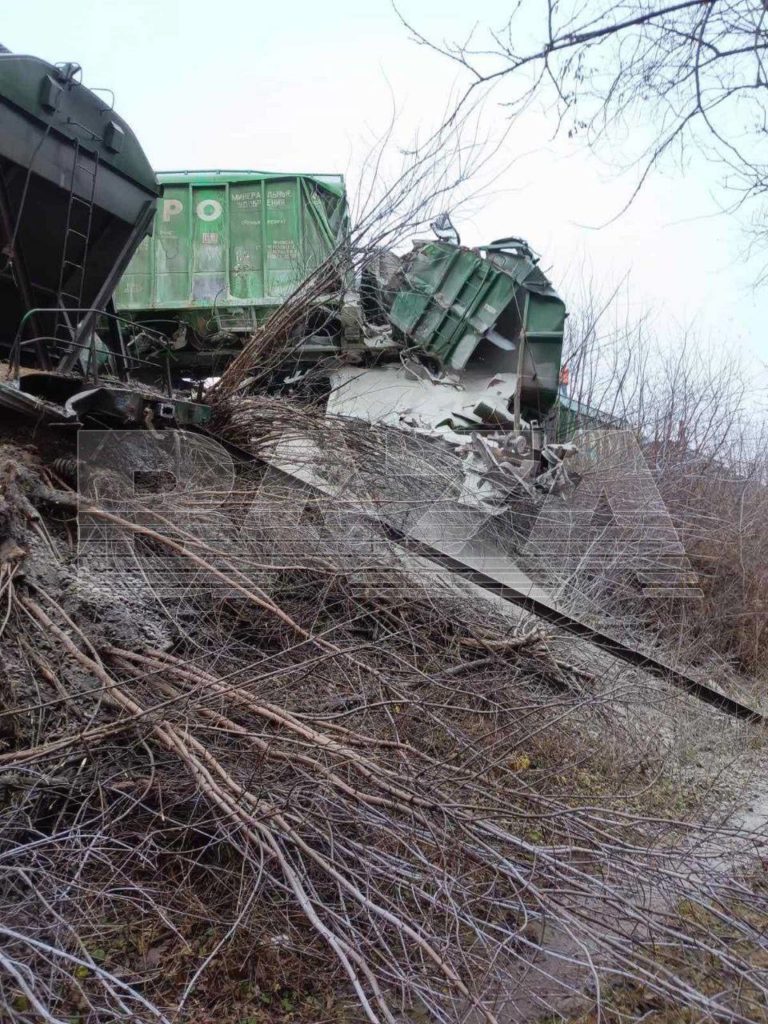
<point x="257" y="766"/>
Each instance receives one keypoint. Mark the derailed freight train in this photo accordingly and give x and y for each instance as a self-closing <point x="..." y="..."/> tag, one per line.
<point x="459" y="343"/>
<point x="228" y="247"/>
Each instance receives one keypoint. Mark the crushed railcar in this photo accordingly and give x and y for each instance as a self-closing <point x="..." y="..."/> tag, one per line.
<point x="476" y="358"/>
<point x="488" y="316"/>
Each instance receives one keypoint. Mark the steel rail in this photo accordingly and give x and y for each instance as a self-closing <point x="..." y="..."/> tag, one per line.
<point x="535" y="606"/>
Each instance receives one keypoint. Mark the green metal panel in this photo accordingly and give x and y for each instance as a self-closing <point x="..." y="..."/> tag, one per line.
<point x="455" y="297"/>
<point x="170" y="245"/>
<point x="283" y="259"/>
<point x="230" y="246"/>
<point x="209" y="245"/>
<point x="246" y="240"/>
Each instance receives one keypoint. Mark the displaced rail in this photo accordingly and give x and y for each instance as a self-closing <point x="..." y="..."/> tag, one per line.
<point x="563" y="620"/>
<point x="519" y="598"/>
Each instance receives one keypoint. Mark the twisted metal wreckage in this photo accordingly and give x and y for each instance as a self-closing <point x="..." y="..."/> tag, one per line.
<point x="183" y="649"/>
<point x="463" y="346"/>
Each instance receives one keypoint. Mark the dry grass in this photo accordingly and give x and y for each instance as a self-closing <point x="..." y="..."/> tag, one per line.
<point x="631" y="1001"/>
<point x="257" y="767"/>
<point x="695" y="414"/>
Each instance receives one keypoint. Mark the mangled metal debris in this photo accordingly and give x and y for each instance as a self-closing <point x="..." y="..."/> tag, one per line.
<point x="480" y="334"/>
<point x="461" y="345"/>
<point x="466" y="410"/>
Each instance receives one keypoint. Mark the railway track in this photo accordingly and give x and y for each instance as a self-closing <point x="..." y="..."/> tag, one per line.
<point x="569" y="624"/>
<point x="521" y="598"/>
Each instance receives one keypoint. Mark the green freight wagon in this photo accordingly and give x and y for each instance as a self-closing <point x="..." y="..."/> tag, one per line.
<point x="490" y="309"/>
<point x="227" y="249"/>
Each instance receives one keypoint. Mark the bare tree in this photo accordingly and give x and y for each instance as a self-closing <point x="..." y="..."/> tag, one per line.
<point x="400" y="190"/>
<point x="692" y="412"/>
<point x="659" y="79"/>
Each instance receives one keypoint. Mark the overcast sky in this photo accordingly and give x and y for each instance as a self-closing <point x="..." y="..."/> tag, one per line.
<point x="299" y="86"/>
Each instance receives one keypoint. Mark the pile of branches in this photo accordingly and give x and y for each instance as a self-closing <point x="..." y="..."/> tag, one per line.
<point x="241" y="711"/>
<point x="393" y="202"/>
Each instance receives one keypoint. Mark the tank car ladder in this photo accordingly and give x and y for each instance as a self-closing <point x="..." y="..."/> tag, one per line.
<point x="74" y="253"/>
